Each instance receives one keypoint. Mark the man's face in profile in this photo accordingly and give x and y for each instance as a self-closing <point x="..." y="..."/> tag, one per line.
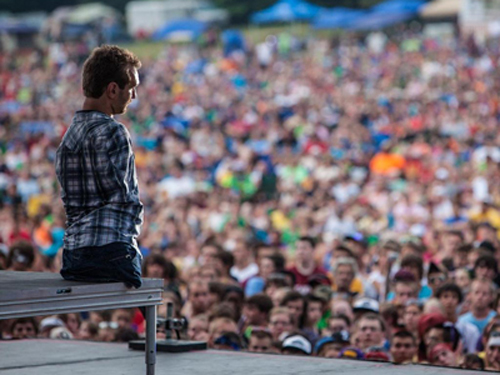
<point x="127" y="94"/>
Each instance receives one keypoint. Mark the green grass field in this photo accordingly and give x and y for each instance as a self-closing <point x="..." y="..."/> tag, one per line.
<point x="254" y="34"/>
<point x="145" y="49"/>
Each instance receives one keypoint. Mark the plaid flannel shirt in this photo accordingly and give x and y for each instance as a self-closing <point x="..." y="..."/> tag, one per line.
<point x="95" y="166"/>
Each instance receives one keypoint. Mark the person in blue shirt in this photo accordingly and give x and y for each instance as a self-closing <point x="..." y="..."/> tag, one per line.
<point x="481" y="294"/>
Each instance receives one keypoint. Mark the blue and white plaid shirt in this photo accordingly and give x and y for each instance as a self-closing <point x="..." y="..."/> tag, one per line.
<point x="95" y="166"/>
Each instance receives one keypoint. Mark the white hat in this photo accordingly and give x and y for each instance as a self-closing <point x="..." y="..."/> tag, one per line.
<point x="61" y="333"/>
<point x="494" y="341"/>
<point x="367" y="304"/>
<point x="297" y="342"/>
<point x="51" y="322"/>
<point x="4" y="249"/>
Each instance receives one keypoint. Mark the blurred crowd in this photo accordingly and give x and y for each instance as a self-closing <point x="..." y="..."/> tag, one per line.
<point x="332" y="198"/>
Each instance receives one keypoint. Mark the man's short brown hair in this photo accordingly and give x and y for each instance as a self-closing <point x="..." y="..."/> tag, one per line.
<point x="261" y="301"/>
<point x="372" y="316"/>
<point x="107" y="64"/>
<point x="261" y="334"/>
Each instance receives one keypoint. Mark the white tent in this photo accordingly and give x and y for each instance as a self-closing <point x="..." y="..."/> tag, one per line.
<point x="441" y="9"/>
<point x="86" y="13"/>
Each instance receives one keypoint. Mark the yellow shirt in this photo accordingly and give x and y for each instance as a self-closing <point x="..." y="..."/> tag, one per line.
<point x="491" y="216"/>
<point x="356" y="286"/>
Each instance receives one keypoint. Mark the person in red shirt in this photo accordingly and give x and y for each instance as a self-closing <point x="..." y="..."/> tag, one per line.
<point x="305" y="264"/>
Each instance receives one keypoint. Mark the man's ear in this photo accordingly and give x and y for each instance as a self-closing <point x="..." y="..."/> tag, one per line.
<point x="112" y="90"/>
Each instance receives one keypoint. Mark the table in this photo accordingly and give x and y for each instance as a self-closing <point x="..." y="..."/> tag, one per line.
<point x="26" y="294"/>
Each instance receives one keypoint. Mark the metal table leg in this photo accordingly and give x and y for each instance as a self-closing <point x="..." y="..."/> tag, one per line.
<point x="150" y="339"/>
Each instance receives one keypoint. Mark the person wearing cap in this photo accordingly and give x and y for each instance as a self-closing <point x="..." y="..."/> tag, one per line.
<point x="47" y="324"/>
<point x="403" y="347"/>
<point x="63" y="333"/>
<point x="351" y="352"/>
<point x="481" y="296"/>
<point x="377" y="353"/>
<point x="331" y="346"/>
<point x="218" y="326"/>
<point x="493" y="352"/>
<point x="228" y="341"/>
<point x="365" y="305"/>
<point x="450" y="296"/>
<point x="296" y="345"/>
<point x="434" y="329"/>
<point x="493" y="326"/>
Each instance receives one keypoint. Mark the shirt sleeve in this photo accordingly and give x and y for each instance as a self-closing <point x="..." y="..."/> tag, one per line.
<point x="121" y="156"/>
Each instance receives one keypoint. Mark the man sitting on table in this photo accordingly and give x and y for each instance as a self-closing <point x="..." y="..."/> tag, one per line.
<point x="96" y="170"/>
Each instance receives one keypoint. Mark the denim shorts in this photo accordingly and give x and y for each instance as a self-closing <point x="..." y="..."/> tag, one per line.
<point x="115" y="262"/>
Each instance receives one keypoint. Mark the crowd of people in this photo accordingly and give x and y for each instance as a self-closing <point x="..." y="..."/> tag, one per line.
<point x="336" y="198"/>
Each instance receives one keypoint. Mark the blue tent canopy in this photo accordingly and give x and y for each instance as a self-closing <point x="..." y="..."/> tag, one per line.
<point x="191" y="27"/>
<point x="387" y="14"/>
<point x="379" y="20"/>
<point x="337" y="18"/>
<point x="286" y="11"/>
<point x="399" y="6"/>
<point x="73" y="30"/>
<point x="232" y="40"/>
<point x="18" y="28"/>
